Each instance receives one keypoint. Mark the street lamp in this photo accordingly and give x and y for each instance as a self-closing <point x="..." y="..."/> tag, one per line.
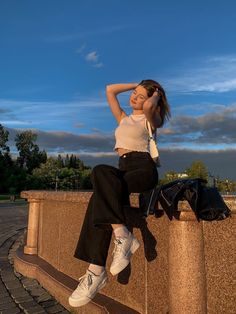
<point x="213" y="179"/>
<point x="227" y="186"/>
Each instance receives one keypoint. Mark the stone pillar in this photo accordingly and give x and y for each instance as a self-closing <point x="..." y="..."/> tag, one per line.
<point x="33" y="227"/>
<point x="187" y="278"/>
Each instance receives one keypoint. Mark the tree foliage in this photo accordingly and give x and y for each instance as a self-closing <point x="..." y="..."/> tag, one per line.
<point x="59" y="174"/>
<point x="226" y="186"/>
<point x="34" y="170"/>
<point x="197" y="170"/>
<point x="30" y="156"/>
<point x="3" y="140"/>
<point x="5" y="160"/>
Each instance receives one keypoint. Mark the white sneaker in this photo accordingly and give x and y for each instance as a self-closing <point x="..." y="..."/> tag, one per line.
<point x="88" y="286"/>
<point x="124" y="248"/>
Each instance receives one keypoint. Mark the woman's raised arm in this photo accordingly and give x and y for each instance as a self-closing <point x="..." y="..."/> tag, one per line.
<point x="152" y="111"/>
<point x="112" y="91"/>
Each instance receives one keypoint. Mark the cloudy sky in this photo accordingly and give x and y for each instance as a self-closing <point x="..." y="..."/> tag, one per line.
<point x="57" y="57"/>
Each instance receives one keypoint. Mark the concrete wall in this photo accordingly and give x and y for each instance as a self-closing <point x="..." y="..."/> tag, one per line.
<point x="183" y="266"/>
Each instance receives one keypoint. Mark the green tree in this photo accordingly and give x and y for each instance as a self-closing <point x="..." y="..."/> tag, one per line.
<point x="50" y="176"/>
<point x="45" y="175"/>
<point x="197" y="170"/>
<point x="6" y="162"/>
<point x="60" y="161"/>
<point x="67" y="161"/>
<point x="30" y="156"/>
<point x="85" y="181"/>
<point x="16" y="180"/>
<point x="3" y="140"/>
<point x="72" y="162"/>
<point x="80" y="165"/>
<point x="226" y="186"/>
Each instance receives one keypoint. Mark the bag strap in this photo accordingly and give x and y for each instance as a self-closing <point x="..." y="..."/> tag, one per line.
<point x="150" y="131"/>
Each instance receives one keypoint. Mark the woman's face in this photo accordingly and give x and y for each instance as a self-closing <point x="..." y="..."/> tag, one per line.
<point x="138" y="97"/>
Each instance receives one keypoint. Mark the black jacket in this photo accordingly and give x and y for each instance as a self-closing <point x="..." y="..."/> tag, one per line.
<point x="206" y="202"/>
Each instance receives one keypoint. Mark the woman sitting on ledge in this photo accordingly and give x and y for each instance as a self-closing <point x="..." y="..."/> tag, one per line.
<point x="111" y="186"/>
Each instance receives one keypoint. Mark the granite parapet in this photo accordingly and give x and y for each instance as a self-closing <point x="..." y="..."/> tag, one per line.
<point x="178" y="268"/>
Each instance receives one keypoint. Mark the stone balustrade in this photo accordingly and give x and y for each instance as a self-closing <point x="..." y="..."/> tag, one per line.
<point x="183" y="266"/>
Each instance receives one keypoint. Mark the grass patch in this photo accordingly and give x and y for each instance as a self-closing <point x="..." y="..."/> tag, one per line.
<point x="7" y="197"/>
<point x="4" y="197"/>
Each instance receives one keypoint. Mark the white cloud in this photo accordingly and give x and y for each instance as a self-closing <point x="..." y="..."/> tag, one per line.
<point x="88" y="33"/>
<point x="92" y="102"/>
<point x="81" y="49"/>
<point x="213" y="129"/>
<point x="92" y="56"/>
<point x="218" y="87"/>
<point x="79" y="125"/>
<point x="60" y="141"/>
<point x="72" y="115"/>
<point x="15" y="122"/>
<point x="98" y="65"/>
<point x="214" y="74"/>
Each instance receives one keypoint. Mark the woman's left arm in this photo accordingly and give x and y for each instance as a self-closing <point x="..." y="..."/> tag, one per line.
<point x="152" y="111"/>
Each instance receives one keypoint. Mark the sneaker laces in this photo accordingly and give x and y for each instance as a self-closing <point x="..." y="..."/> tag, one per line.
<point x="118" y="245"/>
<point x="85" y="283"/>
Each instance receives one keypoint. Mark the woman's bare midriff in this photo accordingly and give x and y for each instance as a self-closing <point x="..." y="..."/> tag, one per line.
<point x="122" y="151"/>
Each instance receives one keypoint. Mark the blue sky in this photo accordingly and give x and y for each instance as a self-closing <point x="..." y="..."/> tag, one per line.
<point x="57" y="57"/>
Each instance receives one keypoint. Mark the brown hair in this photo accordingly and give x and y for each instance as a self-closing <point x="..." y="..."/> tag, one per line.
<point x="151" y="86"/>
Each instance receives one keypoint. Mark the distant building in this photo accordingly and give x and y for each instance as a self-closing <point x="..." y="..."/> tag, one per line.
<point x="175" y="175"/>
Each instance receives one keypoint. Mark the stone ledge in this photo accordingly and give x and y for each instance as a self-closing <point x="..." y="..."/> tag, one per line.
<point x="184" y="246"/>
<point x="62" y="285"/>
<point x="82" y="197"/>
<point x="62" y="196"/>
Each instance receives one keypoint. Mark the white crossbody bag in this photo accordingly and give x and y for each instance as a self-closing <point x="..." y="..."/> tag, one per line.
<point x="153" y="146"/>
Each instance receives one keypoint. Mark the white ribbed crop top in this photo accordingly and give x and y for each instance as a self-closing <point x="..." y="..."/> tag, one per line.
<point x="132" y="133"/>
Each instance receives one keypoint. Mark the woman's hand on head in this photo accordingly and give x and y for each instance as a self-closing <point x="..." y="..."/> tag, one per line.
<point x="152" y="101"/>
<point x="152" y="110"/>
<point x="156" y="93"/>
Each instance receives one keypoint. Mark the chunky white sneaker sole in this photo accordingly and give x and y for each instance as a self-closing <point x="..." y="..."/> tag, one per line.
<point x="124" y="262"/>
<point x="77" y="302"/>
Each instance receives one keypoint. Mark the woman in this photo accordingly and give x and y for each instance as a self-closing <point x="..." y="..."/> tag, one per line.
<point x="111" y="186"/>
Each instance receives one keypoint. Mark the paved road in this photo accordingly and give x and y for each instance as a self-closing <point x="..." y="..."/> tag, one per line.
<point x="19" y="294"/>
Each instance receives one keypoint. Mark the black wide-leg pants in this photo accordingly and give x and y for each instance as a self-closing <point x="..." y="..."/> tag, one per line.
<point x="111" y="189"/>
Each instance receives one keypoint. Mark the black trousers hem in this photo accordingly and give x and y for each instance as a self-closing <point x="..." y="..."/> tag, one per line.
<point x="88" y="260"/>
<point x="107" y="224"/>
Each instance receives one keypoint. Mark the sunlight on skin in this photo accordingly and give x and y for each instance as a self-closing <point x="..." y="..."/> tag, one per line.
<point x="114" y="226"/>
